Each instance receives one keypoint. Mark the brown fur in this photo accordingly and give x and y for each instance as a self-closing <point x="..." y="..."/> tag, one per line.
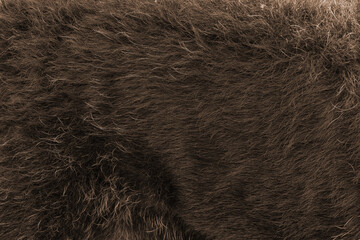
<point x="179" y="120"/>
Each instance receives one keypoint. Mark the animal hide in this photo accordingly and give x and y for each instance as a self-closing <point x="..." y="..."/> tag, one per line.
<point x="179" y="119"/>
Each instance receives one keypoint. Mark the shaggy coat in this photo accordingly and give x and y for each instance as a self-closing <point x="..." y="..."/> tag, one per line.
<point x="179" y="119"/>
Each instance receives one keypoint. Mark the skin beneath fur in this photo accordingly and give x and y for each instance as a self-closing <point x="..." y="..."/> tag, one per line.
<point x="179" y="120"/>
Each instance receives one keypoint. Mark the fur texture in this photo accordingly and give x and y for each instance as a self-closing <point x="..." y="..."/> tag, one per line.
<point x="179" y="119"/>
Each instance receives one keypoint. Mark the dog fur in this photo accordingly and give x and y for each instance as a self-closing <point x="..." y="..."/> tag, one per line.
<point x="179" y="119"/>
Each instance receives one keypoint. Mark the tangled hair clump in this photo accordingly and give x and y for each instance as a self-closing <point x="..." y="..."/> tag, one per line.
<point x="179" y="119"/>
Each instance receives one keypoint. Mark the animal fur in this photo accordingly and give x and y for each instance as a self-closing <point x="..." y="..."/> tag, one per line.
<point x="179" y="119"/>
